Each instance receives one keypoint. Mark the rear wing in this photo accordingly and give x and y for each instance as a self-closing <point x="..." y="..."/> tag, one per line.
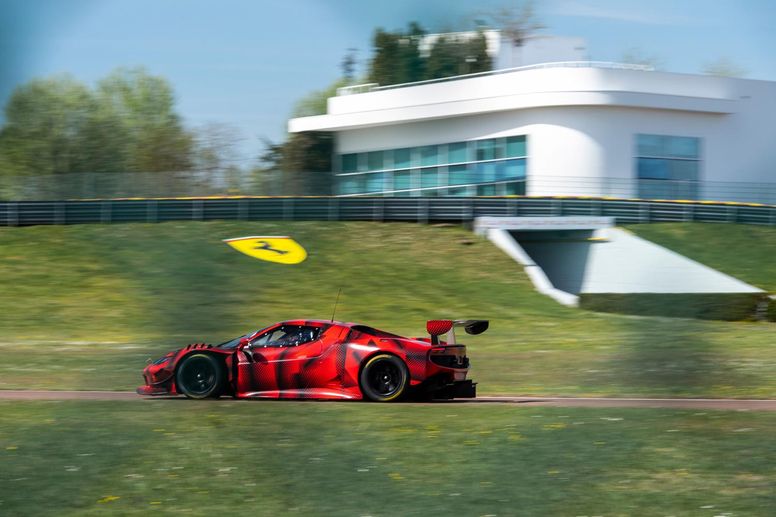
<point x="438" y="327"/>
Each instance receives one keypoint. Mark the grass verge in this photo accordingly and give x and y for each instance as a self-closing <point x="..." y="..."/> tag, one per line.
<point x="287" y="458"/>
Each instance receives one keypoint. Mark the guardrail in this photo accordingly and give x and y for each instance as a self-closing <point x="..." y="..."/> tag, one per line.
<point x="423" y="210"/>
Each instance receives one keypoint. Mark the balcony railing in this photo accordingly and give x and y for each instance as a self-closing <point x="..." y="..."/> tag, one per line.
<point x="370" y="87"/>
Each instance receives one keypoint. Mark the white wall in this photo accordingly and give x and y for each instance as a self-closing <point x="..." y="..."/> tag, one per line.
<point x="595" y="143"/>
<point x="580" y="123"/>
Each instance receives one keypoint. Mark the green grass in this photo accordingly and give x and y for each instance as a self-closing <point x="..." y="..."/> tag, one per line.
<point x="82" y="307"/>
<point x="747" y="252"/>
<point x="287" y="458"/>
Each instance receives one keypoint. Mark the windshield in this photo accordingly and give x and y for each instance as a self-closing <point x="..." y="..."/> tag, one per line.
<point x="232" y="343"/>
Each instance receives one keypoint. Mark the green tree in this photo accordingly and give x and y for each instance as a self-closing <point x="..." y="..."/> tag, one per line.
<point x="455" y="56"/>
<point x="314" y="103"/>
<point x="127" y="124"/>
<point x="46" y="126"/>
<point x="306" y="164"/>
<point x="397" y="56"/>
<point x="300" y="166"/>
<point x="142" y="106"/>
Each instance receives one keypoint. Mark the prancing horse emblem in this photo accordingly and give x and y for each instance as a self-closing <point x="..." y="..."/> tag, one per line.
<point x="268" y="247"/>
<point x="283" y="250"/>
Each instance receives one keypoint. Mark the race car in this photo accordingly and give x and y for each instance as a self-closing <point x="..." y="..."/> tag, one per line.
<point x="320" y="359"/>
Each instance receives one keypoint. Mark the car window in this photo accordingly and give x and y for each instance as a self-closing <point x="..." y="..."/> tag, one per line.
<point x="287" y="335"/>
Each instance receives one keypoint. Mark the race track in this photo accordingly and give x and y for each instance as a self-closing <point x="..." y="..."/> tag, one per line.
<point x="727" y="404"/>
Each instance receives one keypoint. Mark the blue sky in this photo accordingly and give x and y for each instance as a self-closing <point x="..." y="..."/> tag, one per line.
<point x="245" y="62"/>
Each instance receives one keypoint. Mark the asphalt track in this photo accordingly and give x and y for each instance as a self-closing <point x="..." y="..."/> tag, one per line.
<point x="592" y="402"/>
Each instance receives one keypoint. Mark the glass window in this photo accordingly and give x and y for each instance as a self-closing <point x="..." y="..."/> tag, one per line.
<point x="458" y="192"/>
<point x="486" y="190"/>
<point x="347" y="185"/>
<point x="402" y="180"/>
<point x="650" y="145"/>
<point x="668" y="167"/>
<point x="375" y="182"/>
<point x="514" y="168"/>
<point x="682" y="147"/>
<point x="663" y="146"/>
<point x="516" y="146"/>
<point x="350" y="162"/>
<point x="352" y="184"/>
<point x="684" y="170"/>
<point x="429" y="155"/>
<point x="458" y="175"/>
<point x="456" y="153"/>
<point x="653" y="168"/>
<point x="401" y="158"/>
<point x="375" y="161"/>
<point x="429" y="177"/>
<point x="515" y="188"/>
<point x="498" y="148"/>
<point x="486" y="172"/>
<point x="486" y="149"/>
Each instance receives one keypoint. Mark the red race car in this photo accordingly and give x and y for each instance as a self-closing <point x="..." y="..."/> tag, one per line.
<point x="320" y="359"/>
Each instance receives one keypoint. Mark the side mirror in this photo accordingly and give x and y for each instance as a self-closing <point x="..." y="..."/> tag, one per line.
<point x="245" y="343"/>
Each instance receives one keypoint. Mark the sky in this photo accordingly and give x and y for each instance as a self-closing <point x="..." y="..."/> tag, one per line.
<point x="244" y="63"/>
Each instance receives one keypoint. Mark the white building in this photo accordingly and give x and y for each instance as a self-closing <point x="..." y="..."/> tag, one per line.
<point x="572" y="128"/>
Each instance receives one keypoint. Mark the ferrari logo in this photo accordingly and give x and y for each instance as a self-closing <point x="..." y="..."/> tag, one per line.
<point x="284" y="250"/>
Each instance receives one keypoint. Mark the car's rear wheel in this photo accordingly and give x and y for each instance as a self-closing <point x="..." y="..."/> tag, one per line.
<point x="200" y="376"/>
<point x="384" y="378"/>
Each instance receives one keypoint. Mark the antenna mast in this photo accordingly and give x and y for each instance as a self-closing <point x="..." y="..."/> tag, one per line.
<point x="335" y="305"/>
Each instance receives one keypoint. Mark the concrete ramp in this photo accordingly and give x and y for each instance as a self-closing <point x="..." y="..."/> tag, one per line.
<point x="568" y="256"/>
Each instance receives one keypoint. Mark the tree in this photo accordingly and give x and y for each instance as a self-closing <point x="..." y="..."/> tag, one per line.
<point x="126" y="124"/>
<point x="302" y="164"/>
<point x="515" y="21"/>
<point x="315" y="102"/>
<point x="46" y="125"/>
<point x="724" y="67"/>
<point x="451" y="57"/>
<point x="396" y="56"/>
<point x="348" y="65"/>
<point x="143" y="106"/>
<point x="636" y="56"/>
<point x="215" y="147"/>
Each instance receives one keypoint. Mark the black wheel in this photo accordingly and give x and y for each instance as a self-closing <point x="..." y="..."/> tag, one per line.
<point x="384" y="378"/>
<point x="200" y="376"/>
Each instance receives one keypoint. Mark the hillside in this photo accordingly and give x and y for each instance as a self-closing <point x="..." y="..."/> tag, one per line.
<point x="84" y="306"/>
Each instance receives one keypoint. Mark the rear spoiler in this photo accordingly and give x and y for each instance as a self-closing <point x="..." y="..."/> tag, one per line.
<point x="438" y="327"/>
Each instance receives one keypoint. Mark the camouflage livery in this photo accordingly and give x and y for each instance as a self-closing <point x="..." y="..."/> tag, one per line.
<point x="317" y="359"/>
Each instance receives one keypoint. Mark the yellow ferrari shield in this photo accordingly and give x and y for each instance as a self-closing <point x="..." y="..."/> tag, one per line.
<point x="284" y="250"/>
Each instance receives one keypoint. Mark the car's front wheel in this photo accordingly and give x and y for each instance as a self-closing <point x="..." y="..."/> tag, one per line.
<point x="200" y="376"/>
<point x="384" y="378"/>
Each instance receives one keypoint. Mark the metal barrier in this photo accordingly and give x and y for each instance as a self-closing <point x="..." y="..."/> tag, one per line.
<point x="95" y="185"/>
<point x="25" y="213"/>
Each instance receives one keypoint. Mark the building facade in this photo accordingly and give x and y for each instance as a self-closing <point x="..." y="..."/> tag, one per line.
<point x="558" y="129"/>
